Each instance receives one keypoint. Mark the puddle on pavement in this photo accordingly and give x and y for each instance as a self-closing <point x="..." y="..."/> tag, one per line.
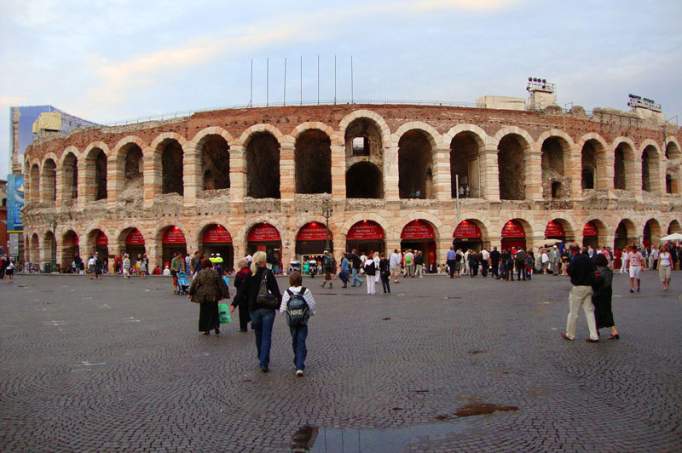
<point x="483" y="409"/>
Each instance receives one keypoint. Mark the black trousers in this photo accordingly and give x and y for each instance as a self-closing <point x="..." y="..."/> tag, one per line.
<point x="244" y="317"/>
<point x="386" y="282"/>
<point x="496" y="270"/>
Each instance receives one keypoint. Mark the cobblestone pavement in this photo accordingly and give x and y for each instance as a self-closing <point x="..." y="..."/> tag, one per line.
<point x="119" y="365"/>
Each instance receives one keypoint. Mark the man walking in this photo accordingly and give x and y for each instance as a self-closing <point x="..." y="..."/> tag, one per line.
<point x="394" y="262"/>
<point x="581" y="271"/>
<point x="355" y="269"/>
<point x="634" y="263"/>
<point x="451" y="260"/>
<point x="419" y="264"/>
<point x="485" y="262"/>
<point x="409" y="263"/>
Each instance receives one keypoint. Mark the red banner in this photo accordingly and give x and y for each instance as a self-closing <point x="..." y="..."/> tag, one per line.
<point x="313" y="231"/>
<point x="467" y="230"/>
<point x="365" y="231"/>
<point x="263" y="232"/>
<point x="173" y="236"/>
<point x="71" y="240"/>
<point x="135" y="238"/>
<point x="554" y="230"/>
<point x="417" y="230"/>
<point x="513" y="229"/>
<point x="590" y="231"/>
<point x="217" y="234"/>
<point x="102" y="240"/>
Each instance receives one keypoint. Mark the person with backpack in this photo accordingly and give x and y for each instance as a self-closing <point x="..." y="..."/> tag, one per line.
<point x="370" y="271"/>
<point x="298" y="304"/>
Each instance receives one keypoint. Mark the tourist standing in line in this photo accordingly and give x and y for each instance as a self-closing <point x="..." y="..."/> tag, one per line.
<point x="394" y="263"/>
<point x="240" y="301"/>
<point x="409" y="263"/>
<point x="345" y="270"/>
<point x="298" y="327"/>
<point x="473" y="263"/>
<point x="419" y="264"/>
<point x="356" y="264"/>
<point x="99" y="266"/>
<point x="126" y="266"/>
<point x="370" y="272"/>
<point x="634" y="262"/>
<point x="465" y="262"/>
<point x="385" y="274"/>
<point x="207" y="289"/>
<point x="601" y="299"/>
<point x="665" y="265"/>
<point x="485" y="262"/>
<point x="451" y="257"/>
<point x="581" y="272"/>
<point x="263" y="296"/>
<point x="328" y="268"/>
<point x="495" y="262"/>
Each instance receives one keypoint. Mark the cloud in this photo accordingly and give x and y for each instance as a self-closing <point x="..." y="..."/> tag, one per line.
<point x="466" y="5"/>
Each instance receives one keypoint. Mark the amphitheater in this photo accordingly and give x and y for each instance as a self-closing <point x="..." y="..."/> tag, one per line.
<point x="386" y="176"/>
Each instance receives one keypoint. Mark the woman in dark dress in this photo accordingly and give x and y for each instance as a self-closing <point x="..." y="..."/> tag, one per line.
<point x="601" y="297"/>
<point x="207" y="289"/>
<point x="241" y="302"/>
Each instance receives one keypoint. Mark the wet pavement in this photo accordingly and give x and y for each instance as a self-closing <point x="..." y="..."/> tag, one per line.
<point x="440" y="365"/>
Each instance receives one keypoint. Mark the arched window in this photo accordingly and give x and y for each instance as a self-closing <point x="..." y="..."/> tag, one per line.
<point x="313" y="162"/>
<point x="415" y="165"/>
<point x="215" y="162"/>
<point x="262" y="166"/>
<point x="512" y="167"/>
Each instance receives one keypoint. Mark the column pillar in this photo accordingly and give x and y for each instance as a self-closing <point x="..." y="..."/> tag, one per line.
<point x="338" y="171"/>
<point x="83" y="181"/>
<point x="287" y="169"/>
<point x="152" y="179"/>
<point x="491" y="173"/>
<point x="237" y="173"/>
<point x="533" y="175"/>
<point x="573" y="168"/>
<point x="441" y="174"/>
<point x="114" y="181"/>
<point x="191" y="175"/>
<point x="391" y="175"/>
<point x="59" y="178"/>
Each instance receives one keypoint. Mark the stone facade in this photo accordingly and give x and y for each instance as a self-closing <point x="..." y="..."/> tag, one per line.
<point x="61" y="203"/>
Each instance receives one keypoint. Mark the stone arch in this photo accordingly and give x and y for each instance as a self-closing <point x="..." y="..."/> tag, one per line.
<point x="593" y="162"/>
<point x="170" y="160"/>
<point x="566" y="227"/>
<point x="674" y="227"/>
<point x="555" y="149"/>
<point x="252" y="131"/>
<point x="525" y="242"/>
<point x="364" y="180"/>
<point x="594" y="233"/>
<point x="95" y="172"/>
<point x="207" y="132"/>
<point x="466" y="153"/>
<point x="429" y="131"/>
<point x="352" y="220"/>
<point x="651" y="167"/>
<point x="48" y="181"/>
<point x="70" y="248"/>
<point x="121" y="238"/>
<point x="49" y="251"/>
<point x="34" y="253"/>
<point x="672" y="149"/>
<point x="624" y="174"/>
<point x="213" y="154"/>
<point x="462" y="237"/>
<point x="513" y="151"/>
<point x="416" y="149"/>
<point x="69" y="164"/>
<point x="130" y="163"/>
<point x="364" y="142"/>
<point x="269" y="219"/>
<point x="421" y="228"/>
<point x="315" y="125"/>
<point x="651" y="233"/>
<point x="219" y="241"/>
<point x="313" y="162"/>
<point x="385" y="132"/>
<point x="262" y="149"/>
<point x="625" y="234"/>
<point x="164" y="252"/>
<point x="481" y="136"/>
<point x="34" y="183"/>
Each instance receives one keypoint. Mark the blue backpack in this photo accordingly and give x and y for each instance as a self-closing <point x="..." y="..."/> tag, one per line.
<point x="298" y="311"/>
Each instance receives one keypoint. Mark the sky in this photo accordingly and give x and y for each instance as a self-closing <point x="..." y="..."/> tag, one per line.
<point x="116" y="60"/>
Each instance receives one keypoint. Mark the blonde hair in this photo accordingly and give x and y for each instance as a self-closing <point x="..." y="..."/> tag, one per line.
<point x="258" y="257"/>
<point x="241" y="263"/>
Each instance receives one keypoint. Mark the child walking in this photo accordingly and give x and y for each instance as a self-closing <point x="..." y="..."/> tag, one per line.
<point x="298" y="304"/>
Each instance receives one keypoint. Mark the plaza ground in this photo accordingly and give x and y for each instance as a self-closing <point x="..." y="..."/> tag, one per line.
<point x="119" y="365"/>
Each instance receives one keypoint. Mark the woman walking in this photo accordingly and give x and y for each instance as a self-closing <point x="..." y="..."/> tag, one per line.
<point x="601" y="296"/>
<point x="665" y="263"/>
<point x="241" y="302"/>
<point x="207" y="289"/>
<point x="263" y="297"/>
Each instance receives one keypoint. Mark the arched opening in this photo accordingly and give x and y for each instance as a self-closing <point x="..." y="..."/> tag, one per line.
<point x="626" y="235"/>
<point x="131" y="241"/>
<point x="674" y="227"/>
<point x="35" y="184"/>
<point x="363" y="139"/>
<point x="35" y="251"/>
<point x="262" y="166"/>
<point x="415" y="165"/>
<point x="215" y="239"/>
<point x="672" y="182"/>
<point x="593" y="166"/>
<point x="172" y="242"/>
<point x="672" y="151"/>
<point x="511" y="162"/>
<point x="555" y="184"/>
<point x="98" y="244"/>
<point x="70" y="250"/>
<point x="559" y="230"/>
<point x="650" y="169"/>
<point x="313" y="239"/>
<point x="172" y="180"/>
<point x="652" y="233"/>
<point x="469" y="235"/>
<point x="420" y="235"/>
<point x="70" y="178"/>
<point x="465" y="166"/>
<point x="623" y="167"/>
<point x="96" y="175"/>
<point x="365" y="237"/>
<point x="49" y="181"/>
<point x="513" y="235"/>
<point x="364" y="180"/>
<point x="266" y="238"/>
<point x="594" y="234"/>
<point x="50" y="251"/>
<point x="313" y="162"/>
<point x="215" y="162"/>
<point x="132" y="166"/>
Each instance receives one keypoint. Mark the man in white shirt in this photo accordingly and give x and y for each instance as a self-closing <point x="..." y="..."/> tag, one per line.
<point x="394" y="264"/>
<point x="634" y="260"/>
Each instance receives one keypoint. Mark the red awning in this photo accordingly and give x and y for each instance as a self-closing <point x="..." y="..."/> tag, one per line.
<point x="173" y="236"/>
<point x="417" y="230"/>
<point x="102" y="240"/>
<point x="513" y="229"/>
<point x="135" y="238"/>
<point x="554" y="230"/>
<point x="467" y="230"/>
<point x="71" y="240"/>
<point x="217" y="234"/>
<point x="365" y="231"/>
<point x="263" y="232"/>
<point x="590" y="231"/>
<point x="313" y="231"/>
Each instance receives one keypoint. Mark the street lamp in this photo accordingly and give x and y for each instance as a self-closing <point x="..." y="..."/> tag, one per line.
<point x="327" y="211"/>
<point x="53" y="260"/>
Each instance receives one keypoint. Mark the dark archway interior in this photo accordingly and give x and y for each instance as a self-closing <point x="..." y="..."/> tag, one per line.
<point x="70" y="177"/>
<point x="50" y="181"/>
<point x="364" y="180"/>
<point x="589" y="166"/>
<point x="133" y="167"/>
<point x="35" y="184"/>
<point x="650" y="169"/>
<point x="415" y="166"/>
<point x="313" y="162"/>
<point x="215" y="163"/>
<point x="363" y="138"/>
<point x="262" y="166"/>
<point x="172" y="167"/>
<point x="619" y="168"/>
<point x="464" y="165"/>
<point x="98" y="166"/>
<point x="553" y="168"/>
<point x="512" y="174"/>
<point x="672" y="151"/>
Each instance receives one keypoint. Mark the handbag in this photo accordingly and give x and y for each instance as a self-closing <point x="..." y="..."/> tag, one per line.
<point x="265" y="298"/>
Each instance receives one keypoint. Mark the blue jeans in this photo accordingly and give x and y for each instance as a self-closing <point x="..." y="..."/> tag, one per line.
<point x="298" y="336"/>
<point x="262" y="321"/>
<point x="355" y="278"/>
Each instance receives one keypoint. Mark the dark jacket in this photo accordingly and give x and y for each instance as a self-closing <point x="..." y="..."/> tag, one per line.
<point x="252" y="284"/>
<point x="239" y="280"/>
<point x="208" y="286"/>
<point x="581" y="270"/>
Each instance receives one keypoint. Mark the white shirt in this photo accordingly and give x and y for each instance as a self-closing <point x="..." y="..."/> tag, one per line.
<point x="395" y="260"/>
<point x="664" y="259"/>
<point x="307" y="296"/>
<point x="545" y="258"/>
<point x="485" y="255"/>
<point x="91" y="262"/>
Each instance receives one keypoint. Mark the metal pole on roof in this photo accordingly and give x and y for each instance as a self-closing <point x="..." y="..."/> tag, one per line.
<point x="285" y="81"/>
<point x="301" y="79"/>
<point x="251" y="92"/>
<point x="352" y="97"/>
<point x="318" y="80"/>
<point x="267" y="82"/>
<point x="334" y="79"/>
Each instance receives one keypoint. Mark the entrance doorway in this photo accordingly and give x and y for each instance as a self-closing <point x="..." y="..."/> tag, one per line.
<point x="264" y="237"/>
<point x="173" y="241"/>
<point x="217" y="240"/>
<point x="365" y="237"/>
<point x="420" y="235"/>
<point x="467" y="235"/>
<point x="513" y="235"/>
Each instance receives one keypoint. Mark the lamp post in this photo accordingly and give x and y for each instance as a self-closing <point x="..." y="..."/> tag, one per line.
<point x="327" y="211"/>
<point x="53" y="260"/>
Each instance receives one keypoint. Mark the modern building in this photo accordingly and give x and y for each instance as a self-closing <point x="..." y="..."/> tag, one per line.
<point x="509" y="173"/>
